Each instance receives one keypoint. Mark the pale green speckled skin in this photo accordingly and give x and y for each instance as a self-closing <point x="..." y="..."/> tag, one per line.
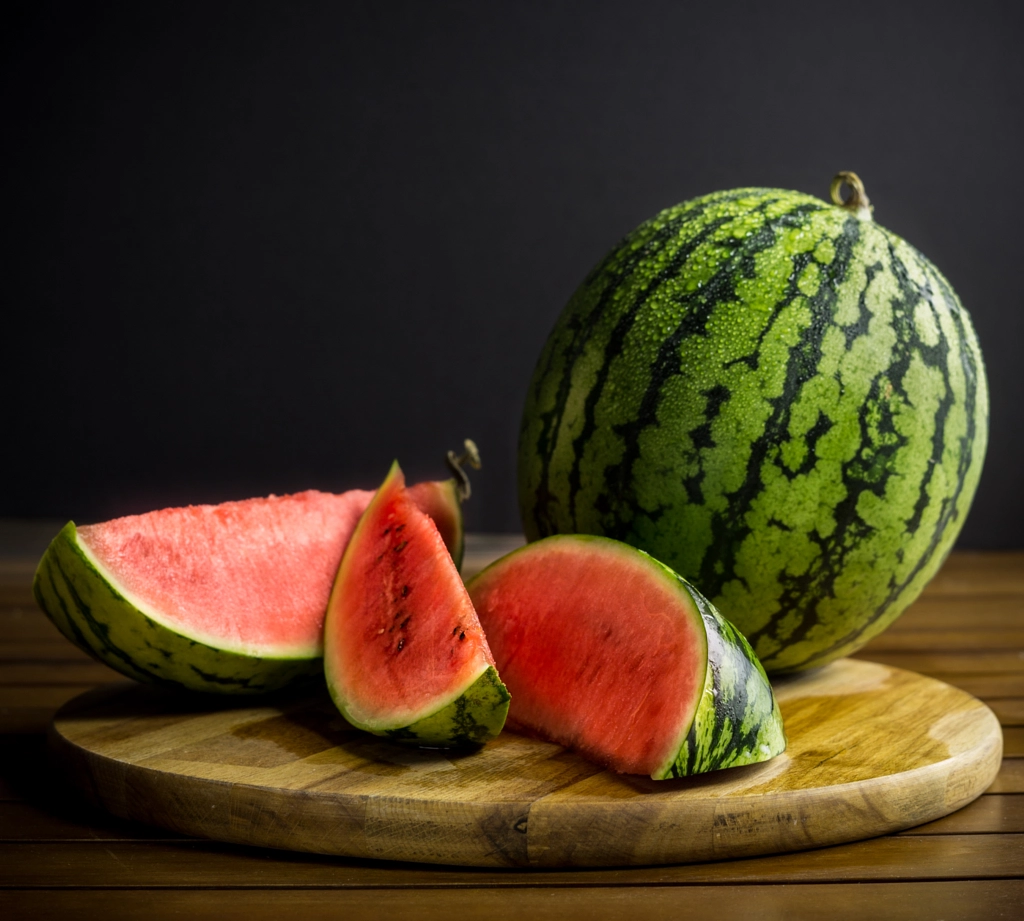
<point x="783" y="402"/>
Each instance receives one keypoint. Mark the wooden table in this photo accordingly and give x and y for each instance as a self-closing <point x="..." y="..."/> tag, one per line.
<point x="63" y="859"/>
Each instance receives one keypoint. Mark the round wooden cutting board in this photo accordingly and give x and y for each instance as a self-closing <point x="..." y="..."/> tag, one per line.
<point x="872" y="749"/>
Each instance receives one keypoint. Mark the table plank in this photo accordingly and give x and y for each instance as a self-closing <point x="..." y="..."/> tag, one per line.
<point x="41" y="674"/>
<point x="52" y="651"/>
<point x="1013" y="742"/>
<point x="25" y="622"/>
<point x="129" y="864"/>
<point x="64" y="821"/>
<point x="1010" y="778"/>
<point x="30" y="709"/>
<point x="931" y="662"/>
<point x="973" y="573"/>
<point x="1009" y="710"/>
<point x="967" y="629"/>
<point x="952" y="901"/>
<point x="1003" y="612"/>
<point x="996" y="812"/>
<point x="914" y="640"/>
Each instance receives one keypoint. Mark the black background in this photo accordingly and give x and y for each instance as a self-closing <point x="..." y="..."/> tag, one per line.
<point x="258" y="247"/>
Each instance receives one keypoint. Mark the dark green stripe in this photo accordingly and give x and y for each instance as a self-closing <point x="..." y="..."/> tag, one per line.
<point x="69" y="625"/>
<point x="580" y="329"/>
<point x="695" y="309"/>
<point x="742" y="726"/>
<point x="578" y="324"/>
<point x="859" y="475"/>
<point x="613" y="348"/>
<point x="107" y="651"/>
<point x="936" y="356"/>
<point x="730" y="529"/>
<point x="606" y="462"/>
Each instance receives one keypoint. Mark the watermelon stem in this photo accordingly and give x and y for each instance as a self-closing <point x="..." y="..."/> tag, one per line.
<point x="471" y="456"/>
<point x="858" y="202"/>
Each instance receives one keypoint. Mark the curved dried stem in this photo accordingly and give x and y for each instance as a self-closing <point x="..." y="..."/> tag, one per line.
<point x="471" y="456"/>
<point x="858" y="202"/>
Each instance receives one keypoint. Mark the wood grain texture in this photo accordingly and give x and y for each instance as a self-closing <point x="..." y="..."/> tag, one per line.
<point x="27" y="622"/>
<point x="974" y="574"/>
<point x="984" y="686"/>
<point x="975" y="662"/>
<point x="1008" y="710"/>
<point x="1010" y="778"/>
<point x="73" y="821"/>
<point x="213" y="865"/>
<point x="40" y="674"/>
<point x="62" y="858"/>
<point x="41" y="651"/>
<point x="989" y="814"/>
<point x="22" y="821"/>
<point x="873" y="749"/>
<point x="980" y="614"/>
<point x="1013" y="742"/>
<point x="945" y="640"/>
<point x="982" y="900"/>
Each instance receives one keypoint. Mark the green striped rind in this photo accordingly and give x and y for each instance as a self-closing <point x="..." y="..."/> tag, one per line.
<point x="783" y="402"/>
<point x="737" y="720"/>
<point x="97" y="618"/>
<point x="474" y="717"/>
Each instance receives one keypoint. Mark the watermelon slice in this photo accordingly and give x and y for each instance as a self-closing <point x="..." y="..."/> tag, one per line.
<point x="228" y="598"/>
<point x="609" y="652"/>
<point x="404" y="654"/>
<point x="442" y="501"/>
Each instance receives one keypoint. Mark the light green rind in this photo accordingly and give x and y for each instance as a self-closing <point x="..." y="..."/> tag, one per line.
<point x="783" y="402"/>
<point x="474" y="717"/>
<point x="96" y="617"/>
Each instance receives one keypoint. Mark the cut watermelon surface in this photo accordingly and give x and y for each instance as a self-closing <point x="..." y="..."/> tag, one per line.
<point x="440" y="499"/>
<point x="252" y="577"/>
<point x="610" y="653"/>
<point x="404" y="653"/>
<point x="227" y="598"/>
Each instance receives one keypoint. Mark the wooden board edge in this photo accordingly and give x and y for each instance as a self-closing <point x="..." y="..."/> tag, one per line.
<point x="541" y="833"/>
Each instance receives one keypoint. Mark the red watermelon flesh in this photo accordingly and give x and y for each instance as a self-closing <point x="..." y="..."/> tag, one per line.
<point x="440" y="500"/>
<point x="599" y="654"/>
<point x="252" y="576"/>
<point x="402" y="638"/>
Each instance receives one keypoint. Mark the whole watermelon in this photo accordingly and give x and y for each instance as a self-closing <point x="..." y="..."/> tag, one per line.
<point x="775" y="396"/>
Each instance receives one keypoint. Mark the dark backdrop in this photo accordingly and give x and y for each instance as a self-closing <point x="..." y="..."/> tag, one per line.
<point x="258" y="247"/>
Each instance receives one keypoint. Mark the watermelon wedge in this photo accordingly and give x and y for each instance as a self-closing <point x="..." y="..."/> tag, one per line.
<point x="404" y="654"/>
<point x="442" y="501"/>
<point x="227" y="598"/>
<point x="609" y="652"/>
